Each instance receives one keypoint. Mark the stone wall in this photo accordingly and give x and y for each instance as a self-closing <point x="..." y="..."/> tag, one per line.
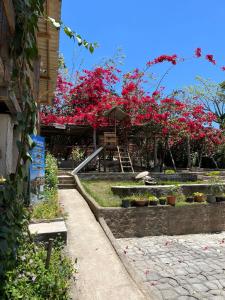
<point x="183" y="177"/>
<point x="150" y="221"/>
<point x="117" y="176"/>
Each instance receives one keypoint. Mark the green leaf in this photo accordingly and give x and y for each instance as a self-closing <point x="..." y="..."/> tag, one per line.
<point x="54" y="23"/>
<point x="68" y="32"/>
<point x="91" y="48"/>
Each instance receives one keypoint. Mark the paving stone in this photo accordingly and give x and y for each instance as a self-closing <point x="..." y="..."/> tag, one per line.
<point x="185" y="267"/>
<point x="200" y="287"/>
<point x="169" y="294"/>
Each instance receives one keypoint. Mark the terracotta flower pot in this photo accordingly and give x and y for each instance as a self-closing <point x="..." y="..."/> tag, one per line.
<point x="171" y="200"/>
<point x="199" y="198"/>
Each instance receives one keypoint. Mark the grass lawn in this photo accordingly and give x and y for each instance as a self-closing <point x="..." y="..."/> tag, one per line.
<point x="100" y="190"/>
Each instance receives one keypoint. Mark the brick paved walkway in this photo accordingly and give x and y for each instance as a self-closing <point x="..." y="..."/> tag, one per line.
<point x="180" y="267"/>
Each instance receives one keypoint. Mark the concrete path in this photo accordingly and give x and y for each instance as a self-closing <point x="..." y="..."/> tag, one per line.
<point x="101" y="275"/>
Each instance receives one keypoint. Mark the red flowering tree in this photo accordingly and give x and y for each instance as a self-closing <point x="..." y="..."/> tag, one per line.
<point x="167" y="121"/>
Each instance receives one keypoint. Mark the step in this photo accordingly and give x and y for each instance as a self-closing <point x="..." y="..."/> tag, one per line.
<point x="65" y="186"/>
<point x="66" y="180"/>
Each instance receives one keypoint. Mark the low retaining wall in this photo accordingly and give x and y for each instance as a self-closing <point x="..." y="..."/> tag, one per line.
<point x="107" y="176"/>
<point x="130" y="176"/>
<point x="183" y="177"/>
<point x="150" y="221"/>
<point x="160" y="190"/>
<point x="159" y="220"/>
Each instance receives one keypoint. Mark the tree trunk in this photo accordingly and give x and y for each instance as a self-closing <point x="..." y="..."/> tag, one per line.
<point x="163" y="154"/>
<point x="188" y="152"/>
<point x="173" y="162"/>
<point x="215" y="163"/>
<point x="94" y="139"/>
<point x="156" y="162"/>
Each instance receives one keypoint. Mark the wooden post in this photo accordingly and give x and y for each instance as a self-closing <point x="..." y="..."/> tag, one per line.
<point x="49" y="252"/>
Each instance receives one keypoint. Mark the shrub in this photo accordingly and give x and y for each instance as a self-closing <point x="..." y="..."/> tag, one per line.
<point x="51" y="171"/>
<point x="214" y="173"/>
<point x="170" y="172"/>
<point x="31" y="280"/>
<point x="77" y="154"/>
<point x="49" y="208"/>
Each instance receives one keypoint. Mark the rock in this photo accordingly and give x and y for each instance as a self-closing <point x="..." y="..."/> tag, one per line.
<point x="142" y="175"/>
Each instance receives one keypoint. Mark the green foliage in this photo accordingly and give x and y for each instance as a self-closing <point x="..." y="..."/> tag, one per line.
<point x="198" y="194"/>
<point x="77" y="154"/>
<point x="214" y="173"/>
<point x="152" y="198"/>
<point x="51" y="171"/>
<point x="170" y="172"/>
<point x="31" y="280"/>
<point x="14" y="194"/>
<point x="49" y="208"/>
<point x="209" y="94"/>
<point x="73" y="35"/>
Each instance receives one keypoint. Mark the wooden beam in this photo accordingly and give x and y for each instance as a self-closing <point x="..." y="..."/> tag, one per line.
<point x="10" y="100"/>
<point x="45" y="35"/>
<point x="10" y="14"/>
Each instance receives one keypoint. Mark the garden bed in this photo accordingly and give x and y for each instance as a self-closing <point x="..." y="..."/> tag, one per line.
<point x="159" y="190"/>
<point x="158" y="220"/>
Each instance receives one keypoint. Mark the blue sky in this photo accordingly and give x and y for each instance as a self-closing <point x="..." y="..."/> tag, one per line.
<point x="145" y="29"/>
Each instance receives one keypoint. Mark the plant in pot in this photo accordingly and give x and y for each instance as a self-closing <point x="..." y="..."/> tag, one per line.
<point x="162" y="200"/>
<point x="216" y="193"/>
<point x="199" y="197"/>
<point x="153" y="200"/>
<point x="172" y="195"/>
<point x="141" y="200"/>
<point x="190" y="199"/>
<point x="126" y="202"/>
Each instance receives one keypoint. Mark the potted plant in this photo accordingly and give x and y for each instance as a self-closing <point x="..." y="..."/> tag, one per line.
<point x="220" y="198"/>
<point x="171" y="197"/>
<point x="199" y="197"/>
<point x="190" y="199"/>
<point x="141" y="200"/>
<point x="125" y="203"/>
<point x="210" y="198"/>
<point x="218" y="192"/>
<point x="153" y="200"/>
<point x="162" y="200"/>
